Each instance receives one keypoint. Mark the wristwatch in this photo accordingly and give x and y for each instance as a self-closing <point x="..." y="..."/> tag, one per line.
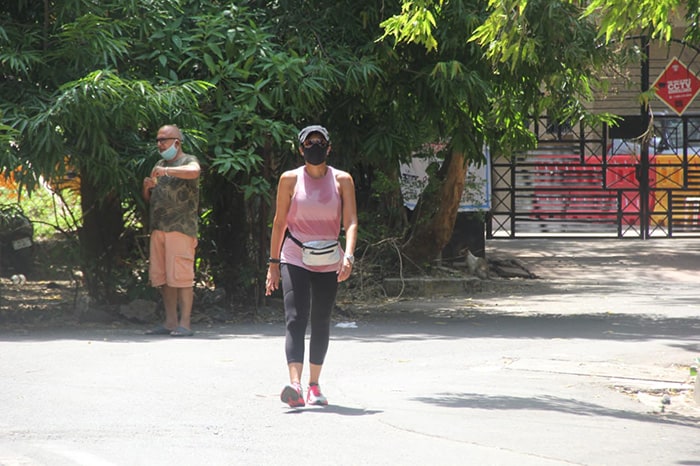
<point x="351" y="258"/>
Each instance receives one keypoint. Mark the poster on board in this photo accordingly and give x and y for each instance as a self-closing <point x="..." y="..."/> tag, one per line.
<point x="477" y="191"/>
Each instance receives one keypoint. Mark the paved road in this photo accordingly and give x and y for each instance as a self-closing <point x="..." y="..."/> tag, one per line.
<point x="567" y="369"/>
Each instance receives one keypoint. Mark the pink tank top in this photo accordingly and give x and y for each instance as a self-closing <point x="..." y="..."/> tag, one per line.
<point x="314" y="214"/>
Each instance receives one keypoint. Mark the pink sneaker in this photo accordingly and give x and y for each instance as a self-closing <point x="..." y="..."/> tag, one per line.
<point x="315" y="397"/>
<point x="292" y="395"/>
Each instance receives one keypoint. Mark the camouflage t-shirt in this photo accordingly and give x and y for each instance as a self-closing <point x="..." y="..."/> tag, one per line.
<point x="175" y="202"/>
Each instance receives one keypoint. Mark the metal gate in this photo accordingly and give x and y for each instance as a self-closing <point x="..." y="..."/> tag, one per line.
<point x="601" y="182"/>
<point x="638" y="179"/>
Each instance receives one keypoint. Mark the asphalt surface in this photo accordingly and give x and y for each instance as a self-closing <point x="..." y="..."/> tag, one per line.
<point x="572" y="368"/>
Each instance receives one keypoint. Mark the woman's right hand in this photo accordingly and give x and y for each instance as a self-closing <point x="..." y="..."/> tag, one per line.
<point x="273" y="279"/>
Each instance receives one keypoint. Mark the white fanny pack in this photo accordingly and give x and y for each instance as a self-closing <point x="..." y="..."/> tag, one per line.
<point x="320" y="252"/>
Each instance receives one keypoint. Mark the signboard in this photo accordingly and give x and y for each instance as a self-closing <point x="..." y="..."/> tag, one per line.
<point x="477" y="190"/>
<point x="677" y="86"/>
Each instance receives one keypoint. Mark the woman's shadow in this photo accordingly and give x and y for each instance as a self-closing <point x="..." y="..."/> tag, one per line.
<point x="336" y="409"/>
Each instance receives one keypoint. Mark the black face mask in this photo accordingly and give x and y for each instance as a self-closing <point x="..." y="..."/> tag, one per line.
<point x="315" y="155"/>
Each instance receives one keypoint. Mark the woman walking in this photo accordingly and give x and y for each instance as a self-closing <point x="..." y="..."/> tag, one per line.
<point x="312" y="201"/>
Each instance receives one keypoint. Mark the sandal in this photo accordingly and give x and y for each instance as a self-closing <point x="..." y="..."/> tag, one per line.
<point x="181" y="332"/>
<point x="160" y="330"/>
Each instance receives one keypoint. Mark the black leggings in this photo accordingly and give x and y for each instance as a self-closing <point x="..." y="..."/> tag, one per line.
<point x="307" y="294"/>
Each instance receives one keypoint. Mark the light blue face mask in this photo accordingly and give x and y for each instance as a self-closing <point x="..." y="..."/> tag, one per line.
<point x="170" y="152"/>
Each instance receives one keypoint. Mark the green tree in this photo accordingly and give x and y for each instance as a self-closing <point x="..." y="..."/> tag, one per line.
<point x="72" y="99"/>
<point x="96" y="111"/>
<point x="486" y="95"/>
<point x="87" y="84"/>
<point x="261" y="90"/>
<point x="384" y="104"/>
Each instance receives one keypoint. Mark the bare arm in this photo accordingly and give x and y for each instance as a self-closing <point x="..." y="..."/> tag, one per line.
<point x="189" y="171"/>
<point x="347" y="194"/>
<point x="285" y="190"/>
<point x="149" y="183"/>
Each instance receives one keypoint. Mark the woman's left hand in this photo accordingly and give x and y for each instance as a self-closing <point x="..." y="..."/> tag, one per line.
<point x="345" y="270"/>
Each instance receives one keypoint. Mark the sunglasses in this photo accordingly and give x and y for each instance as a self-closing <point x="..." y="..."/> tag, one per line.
<point x="315" y="142"/>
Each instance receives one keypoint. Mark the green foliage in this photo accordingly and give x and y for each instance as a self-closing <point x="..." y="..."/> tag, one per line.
<point x="415" y="24"/>
<point x="618" y="19"/>
<point x="84" y="105"/>
<point x="506" y="32"/>
<point x="86" y="84"/>
<point x="53" y="213"/>
<point x="532" y="57"/>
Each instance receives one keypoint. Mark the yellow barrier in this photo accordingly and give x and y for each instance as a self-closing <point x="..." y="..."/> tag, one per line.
<point x="685" y="202"/>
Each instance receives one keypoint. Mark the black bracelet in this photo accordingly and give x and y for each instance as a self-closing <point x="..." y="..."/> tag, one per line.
<point x="273" y="261"/>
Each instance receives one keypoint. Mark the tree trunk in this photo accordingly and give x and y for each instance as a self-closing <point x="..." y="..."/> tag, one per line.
<point x="103" y="226"/>
<point x="228" y="227"/>
<point x="434" y="217"/>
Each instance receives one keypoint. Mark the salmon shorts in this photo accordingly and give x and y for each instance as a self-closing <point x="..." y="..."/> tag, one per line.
<point x="171" y="259"/>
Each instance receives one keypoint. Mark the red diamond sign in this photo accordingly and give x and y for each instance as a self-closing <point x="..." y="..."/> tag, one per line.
<point x="677" y="86"/>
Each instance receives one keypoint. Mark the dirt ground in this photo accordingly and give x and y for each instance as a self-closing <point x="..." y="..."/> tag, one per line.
<point x="36" y="301"/>
<point x="53" y="294"/>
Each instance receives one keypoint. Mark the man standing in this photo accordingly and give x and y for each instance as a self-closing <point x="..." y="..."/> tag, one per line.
<point x="172" y="191"/>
